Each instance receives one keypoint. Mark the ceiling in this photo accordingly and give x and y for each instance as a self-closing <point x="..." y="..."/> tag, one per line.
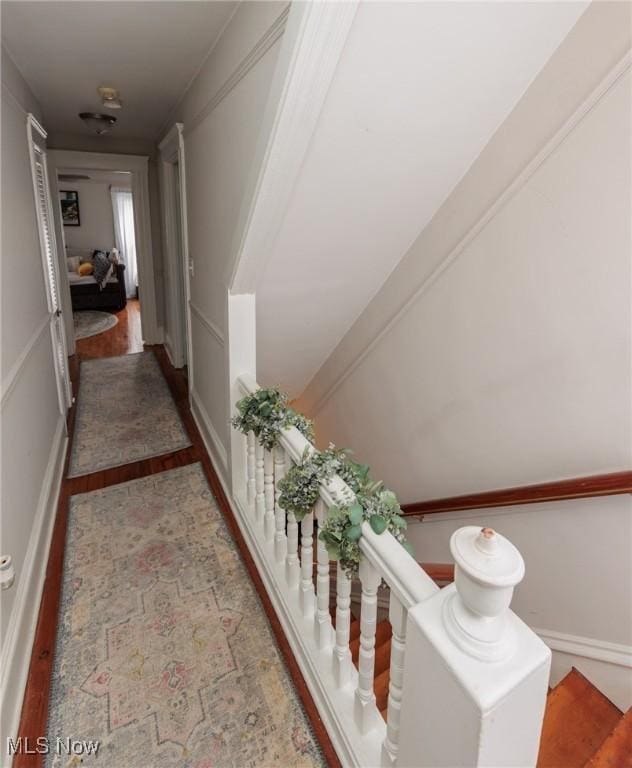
<point x="149" y="51"/>
<point x="418" y="92"/>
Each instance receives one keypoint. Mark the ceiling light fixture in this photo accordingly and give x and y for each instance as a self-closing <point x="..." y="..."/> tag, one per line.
<point x="96" y="122"/>
<point x="110" y="97"/>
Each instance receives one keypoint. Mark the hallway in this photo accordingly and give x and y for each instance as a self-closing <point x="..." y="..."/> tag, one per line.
<point x="161" y="651"/>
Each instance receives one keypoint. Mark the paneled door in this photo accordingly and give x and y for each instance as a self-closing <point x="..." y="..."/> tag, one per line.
<point x="44" y="212"/>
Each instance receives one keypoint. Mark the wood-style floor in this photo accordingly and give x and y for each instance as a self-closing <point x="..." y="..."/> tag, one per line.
<point x="125" y="338"/>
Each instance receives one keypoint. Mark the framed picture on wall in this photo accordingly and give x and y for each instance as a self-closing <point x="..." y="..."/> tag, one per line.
<point x="69" y="207"/>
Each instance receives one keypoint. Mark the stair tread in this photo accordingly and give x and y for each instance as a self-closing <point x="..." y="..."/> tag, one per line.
<point x="577" y="720"/>
<point x="616" y="750"/>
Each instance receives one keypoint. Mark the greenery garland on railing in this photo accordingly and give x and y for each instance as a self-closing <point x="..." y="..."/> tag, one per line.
<point x="265" y="413"/>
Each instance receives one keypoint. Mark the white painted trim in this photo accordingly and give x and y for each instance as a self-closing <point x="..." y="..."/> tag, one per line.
<point x="315" y="38"/>
<point x="256" y="53"/>
<point x="176" y="249"/>
<point x="138" y="166"/>
<point x="211" y="439"/>
<point x="207" y="323"/>
<point x="16" y="650"/>
<point x="587" y="647"/>
<point x="169" y="349"/>
<point x="499" y="203"/>
<point x="46" y="221"/>
<point x="12" y="378"/>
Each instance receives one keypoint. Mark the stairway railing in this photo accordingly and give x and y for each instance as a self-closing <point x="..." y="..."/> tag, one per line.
<point x="468" y="679"/>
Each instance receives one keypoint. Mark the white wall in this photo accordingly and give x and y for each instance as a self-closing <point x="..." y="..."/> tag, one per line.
<point x="505" y="360"/>
<point x="417" y="93"/>
<point x="222" y="113"/>
<point x="33" y="436"/>
<point x="96" y="218"/>
<point x="577" y="589"/>
<point x="498" y="352"/>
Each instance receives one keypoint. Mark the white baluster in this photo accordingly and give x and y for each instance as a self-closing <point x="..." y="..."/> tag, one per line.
<point x="292" y="565"/>
<point x="342" y="654"/>
<point x="365" y="709"/>
<point x="250" y="465"/>
<point x="306" y="594"/>
<point x="280" y="539"/>
<point x="268" y="495"/>
<point x="322" y="619"/>
<point x="397" y="616"/>
<point x="259" y="484"/>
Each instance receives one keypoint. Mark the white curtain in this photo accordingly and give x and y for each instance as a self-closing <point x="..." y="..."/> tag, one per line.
<point x="123" y="208"/>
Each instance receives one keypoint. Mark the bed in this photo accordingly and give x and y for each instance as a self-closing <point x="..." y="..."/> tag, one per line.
<point x="86" y="293"/>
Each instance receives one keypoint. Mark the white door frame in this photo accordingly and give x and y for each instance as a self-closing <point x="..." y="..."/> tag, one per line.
<point x="178" y="346"/>
<point x="137" y="165"/>
<point x="36" y="137"/>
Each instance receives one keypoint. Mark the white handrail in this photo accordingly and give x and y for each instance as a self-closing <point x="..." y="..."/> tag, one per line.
<point x="457" y="650"/>
<point x="406" y="578"/>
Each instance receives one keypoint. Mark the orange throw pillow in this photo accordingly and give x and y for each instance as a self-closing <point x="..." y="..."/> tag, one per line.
<point x="85" y="269"/>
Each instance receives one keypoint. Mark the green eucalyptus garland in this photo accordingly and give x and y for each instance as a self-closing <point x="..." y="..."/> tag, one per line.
<point x="265" y="413"/>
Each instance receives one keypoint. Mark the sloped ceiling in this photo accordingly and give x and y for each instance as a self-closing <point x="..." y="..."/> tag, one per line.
<point x="419" y="91"/>
<point x="150" y="51"/>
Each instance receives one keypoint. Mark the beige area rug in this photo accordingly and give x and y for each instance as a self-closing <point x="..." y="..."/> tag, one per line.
<point x="90" y="322"/>
<point x="164" y="653"/>
<point x="125" y="413"/>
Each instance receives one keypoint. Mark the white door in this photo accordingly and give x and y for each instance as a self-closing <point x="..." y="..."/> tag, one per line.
<point x="43" y="209"/>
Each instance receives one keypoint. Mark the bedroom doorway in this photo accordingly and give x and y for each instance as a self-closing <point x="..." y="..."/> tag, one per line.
<point x="98" y="218"/>
<point x="177" y="265"/>
<point x="103" y="220"/>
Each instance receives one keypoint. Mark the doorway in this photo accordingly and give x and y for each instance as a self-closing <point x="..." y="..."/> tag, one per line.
<point x="101" y="264"/>
<point x="108" y="213"/>
<point x="173" y="185"/>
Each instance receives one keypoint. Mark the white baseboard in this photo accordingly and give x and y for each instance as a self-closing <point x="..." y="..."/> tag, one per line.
<point x="608" y="666"/>
<point x="16" y="651"/>
<point x="212" y="441"/>
<point x="169" y="350"/>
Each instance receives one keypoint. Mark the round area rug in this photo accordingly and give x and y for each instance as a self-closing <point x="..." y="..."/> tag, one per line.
<point x="89" y="323"/>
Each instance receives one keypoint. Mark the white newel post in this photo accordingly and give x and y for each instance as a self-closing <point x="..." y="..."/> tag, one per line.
<point x="242" y="359"/>
<point x="476" y="676"/>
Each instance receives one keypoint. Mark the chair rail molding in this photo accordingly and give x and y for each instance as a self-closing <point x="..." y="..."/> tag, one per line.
<point x="210" y="326"/>
<point x="391" y="313"/>
<point x="313" y="42"/>
<point x="138" y="166"/>
<point x="13" y="376"/>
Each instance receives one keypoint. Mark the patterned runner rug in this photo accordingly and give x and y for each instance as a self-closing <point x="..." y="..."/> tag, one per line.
<point x="164" y="653"/>
<point x="125" y="413"/>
